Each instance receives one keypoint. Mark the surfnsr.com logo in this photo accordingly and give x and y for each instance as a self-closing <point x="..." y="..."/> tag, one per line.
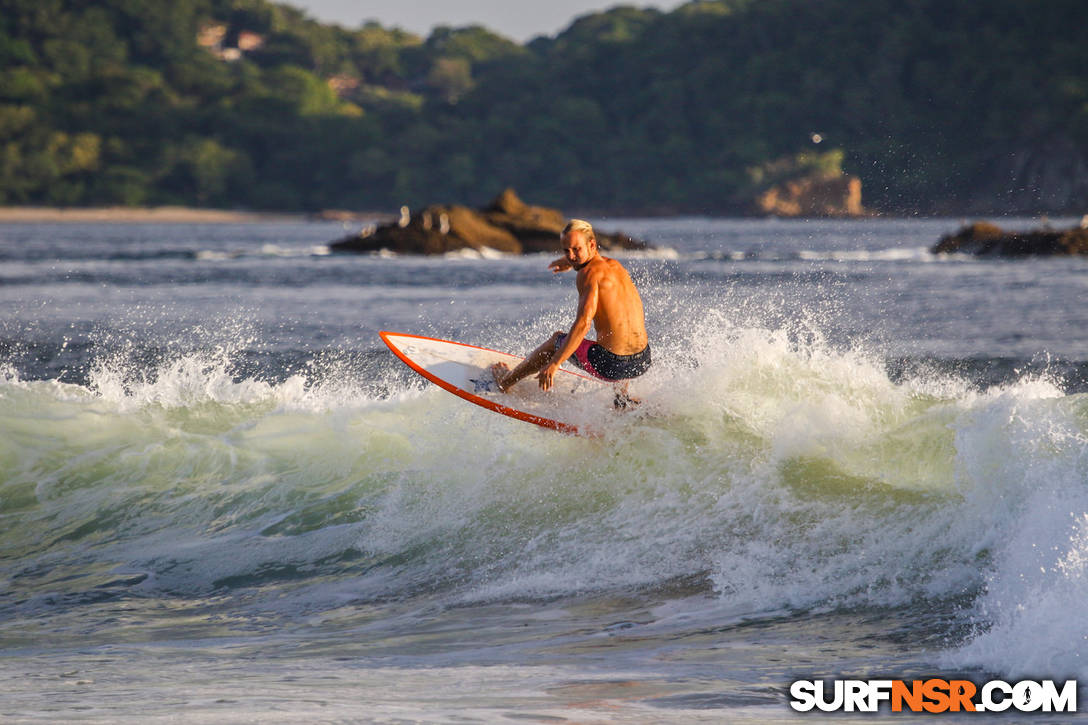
<point x="933" y="695"/>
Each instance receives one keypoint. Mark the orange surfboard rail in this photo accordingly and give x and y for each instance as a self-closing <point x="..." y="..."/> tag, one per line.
<point x="472" y="397"/>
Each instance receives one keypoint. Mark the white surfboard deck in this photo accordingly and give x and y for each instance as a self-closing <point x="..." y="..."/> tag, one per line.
<point x="464" y="370"/>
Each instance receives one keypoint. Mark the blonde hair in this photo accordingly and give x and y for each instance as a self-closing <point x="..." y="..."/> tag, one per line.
<point x="579" y="225"/>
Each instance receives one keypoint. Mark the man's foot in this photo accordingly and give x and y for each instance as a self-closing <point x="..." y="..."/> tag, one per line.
<point x="499" y="371"/>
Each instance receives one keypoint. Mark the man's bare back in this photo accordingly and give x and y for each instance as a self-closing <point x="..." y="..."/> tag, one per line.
<point x="607" y="300"/>
<point x="619" y="320"/>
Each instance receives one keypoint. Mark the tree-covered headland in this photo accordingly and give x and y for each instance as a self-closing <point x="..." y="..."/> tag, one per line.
<point x="936" y="105"/>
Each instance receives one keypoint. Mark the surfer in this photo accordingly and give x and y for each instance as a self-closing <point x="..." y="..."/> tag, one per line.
<point x="606" y="297"/>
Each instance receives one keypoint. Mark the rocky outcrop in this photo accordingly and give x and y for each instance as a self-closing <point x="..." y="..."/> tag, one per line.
<point x="816" y="195"/>
<point x="984" y="238"/>
<point x="507" y="225"/>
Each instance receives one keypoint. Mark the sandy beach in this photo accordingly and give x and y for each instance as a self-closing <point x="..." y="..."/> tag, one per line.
<point x="164" y="214"/>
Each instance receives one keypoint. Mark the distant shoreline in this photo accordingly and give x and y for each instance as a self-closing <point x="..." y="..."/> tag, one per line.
<point x="165" y="214"/>
<point x="195" y="215"/>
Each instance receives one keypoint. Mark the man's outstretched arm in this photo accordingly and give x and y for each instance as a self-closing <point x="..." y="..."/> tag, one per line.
<point x="560" y="265"/>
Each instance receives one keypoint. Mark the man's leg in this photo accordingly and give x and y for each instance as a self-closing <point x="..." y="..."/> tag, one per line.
<point x="623" y="399"/>
<point x="537" y="360"/>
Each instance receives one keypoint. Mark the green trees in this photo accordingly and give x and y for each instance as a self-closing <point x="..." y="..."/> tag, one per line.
<point x="938" y="105"/>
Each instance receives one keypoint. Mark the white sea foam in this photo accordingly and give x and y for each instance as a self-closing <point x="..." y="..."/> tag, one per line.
<point x="657" y="252"/>
<point x="896" y="254"/>
<point x="1024" y="464"/>
<point x="481" y="253"/>
<point x="216" y="255"/>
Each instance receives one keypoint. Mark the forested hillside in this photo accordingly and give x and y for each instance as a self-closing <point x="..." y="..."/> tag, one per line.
<point x="937" y="105"/>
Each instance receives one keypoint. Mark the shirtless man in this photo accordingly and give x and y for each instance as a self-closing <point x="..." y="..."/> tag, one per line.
<point x="608" y="298"/>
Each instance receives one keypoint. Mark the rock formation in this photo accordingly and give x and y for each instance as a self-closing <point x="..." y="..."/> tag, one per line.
<point x="507" y="224"/>
<point x="815" y="195"/>
<point x="984" y="238"/>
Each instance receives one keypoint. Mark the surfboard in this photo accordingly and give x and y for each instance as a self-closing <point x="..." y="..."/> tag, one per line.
<point x="464" y="370"/>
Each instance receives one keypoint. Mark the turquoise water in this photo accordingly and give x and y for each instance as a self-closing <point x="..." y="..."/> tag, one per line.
<point x="222" y="500"/>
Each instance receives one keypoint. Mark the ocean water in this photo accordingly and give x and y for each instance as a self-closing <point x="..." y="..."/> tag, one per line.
<point x="222" y="500"/>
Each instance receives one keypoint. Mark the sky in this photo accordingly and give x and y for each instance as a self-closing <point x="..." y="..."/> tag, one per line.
<point x="519" y="20"/>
